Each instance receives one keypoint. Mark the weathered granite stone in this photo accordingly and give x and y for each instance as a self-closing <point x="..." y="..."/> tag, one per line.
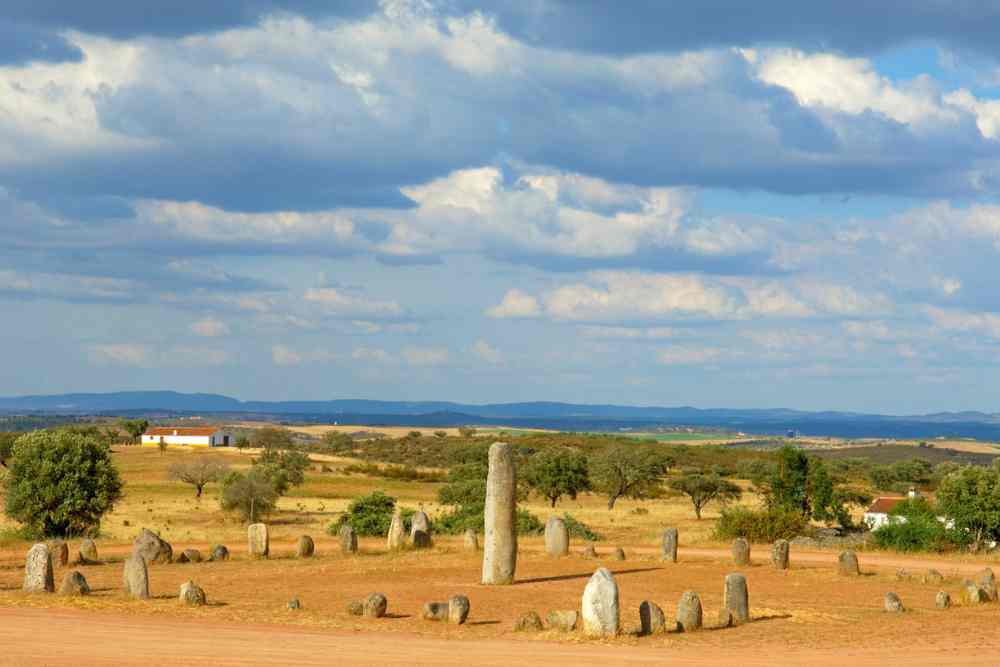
<point x="972" y="593"/>
<point x="471" y="540"/>
<point x="741" y="552"/>
<point x="651" y="618"/>
<point x="892" y="603"/>
<point x="192" y="594"/>
<point x="618" y="554"/>
<point x="219" y="553"/>
<point x="38" y="575"/>
<point x="563" y="620"/>
<point x="294" y="604"/>
<point x="420" y="531"/>
<point x="599" y="605"/>
<point x="779" y="555"/>
<point x="529" y="622"/>
<point x="458" y="609"/>
<point x="396" y="539"/>
<point x="60" y="553"/>
<point x="88" y="551"/>
<point x="668" y="548"/>
<point x="735" y="601"/>
<point x="689" y="612"/>
<point x="258" y="541"/>
<point x="136" y="577"/>
<point x="987" y="582"/>
<point x="556" y="537"/>
<point x="74" y="583"/>
<point x="152" y="548"/>
<point x="305" y="547"/>
<point x="356" y="608"/>
<point x="847" y="564"/>
<point x="942" y="600"/>
<point x="500" y="543"/>
<point x="435" y="611"/>
<point x="348" y="539"/>
<point x="192" y="555"/>
<point x="375" y="606"/>
<point x="933" y="577"/>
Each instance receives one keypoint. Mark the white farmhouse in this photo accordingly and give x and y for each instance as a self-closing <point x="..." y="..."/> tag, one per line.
<point x="188" y="436"/>
<point x="877" y="515"/>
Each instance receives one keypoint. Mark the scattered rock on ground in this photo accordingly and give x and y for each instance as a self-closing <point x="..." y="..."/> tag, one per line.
<point x="933" y="577"/>
<point x="192" y="555"/>
<point x="847" y="564"/>
<point x="942" y="600"/>
<point x="458" y="609"/>
<point x="192" y="594"/>
<point x="152" y="548"/>
<point x="892" y="603"/>
<point x="375" y="605"/>
<point x="294" y="604"/>
<point x="618" y="554"/>
<point x="590" y="551"/>
<point x="530" y="621"/>
<point x="651" y="618"/>
<point x="435" y="611"/>
<point x="305" y="547"/>
<point x="74" y="583"/>
<point x="355" y="608"/>
<point x="219" y="552"/>
<point x="563" y="620"/>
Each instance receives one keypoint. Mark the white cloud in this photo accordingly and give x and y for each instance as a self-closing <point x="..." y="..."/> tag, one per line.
<point x="628" y="333"/>
<point x="515" y="303"/>
<point x="487" y="352"/>
<point x="370" y="354"/>
<point x="338" y="303"/>
<point x="425" y="356"/>
<point x="210" y="327"/>
<point x="987" y="324"/>
<point x="688" y="356"/>
<point x="149" y="356"/>
<point x="121" y="354"/>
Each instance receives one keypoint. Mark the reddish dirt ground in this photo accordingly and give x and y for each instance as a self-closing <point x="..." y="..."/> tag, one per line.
<point x="807" y="615"/>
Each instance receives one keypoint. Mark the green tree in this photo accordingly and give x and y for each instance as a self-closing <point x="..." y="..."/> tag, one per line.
<point x="970" y="497"/>
<point x="7" y="441"/>
<point x="61" y="483"/>
<point x="557" y="472"/>
<point x="272" y="437"/>
<point x="627" y="471"/>
<point x="798" y="483"/>
<point x="199" y="473"/>
<point x="242" y="442"/>
<point x="251" y="494"/>
<point x="134" y="427"/>
<point x="703" y="489"/>
<point x="285" y="469"/>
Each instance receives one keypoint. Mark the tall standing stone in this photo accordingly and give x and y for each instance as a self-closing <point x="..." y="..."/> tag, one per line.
<point x="305" y="547"/>
<point x="779" y="555"/>
<point x="420" y="530"/>
<point x="60" y="553"/>
<point x="38" y="576"/>
<point x="987" y="581"/>
<point x="668" y="549"/>
<point x="136" y="577"/>
<point x="847" y="564"/>
<point x="396" y="538"/>
<point x="152" y="548"/>
<point x="348" y="539"/>
<point x="741" y="552"/>
<point x="258" y="543"/>
<point x="735" y="600"/>
<point x="556" y="537"/>
<point x="599" y="606"/>
<point x="88" y="551"/>
<point x="689" y="613"/>
<point x="471" y="540"/>
<point x="500" y="542"/>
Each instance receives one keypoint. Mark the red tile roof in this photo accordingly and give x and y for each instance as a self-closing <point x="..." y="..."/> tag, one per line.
<point x="884" y="505"/>
<point x="181" y="430"/>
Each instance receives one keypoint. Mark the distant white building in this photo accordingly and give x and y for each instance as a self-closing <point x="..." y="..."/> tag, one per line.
<point x="877" y="515"/>
<point x="188" y="436"/>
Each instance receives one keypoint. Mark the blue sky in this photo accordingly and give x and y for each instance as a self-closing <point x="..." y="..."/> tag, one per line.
<point x="646" y="202"/>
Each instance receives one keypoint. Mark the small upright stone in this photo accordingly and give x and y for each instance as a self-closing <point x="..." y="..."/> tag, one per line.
<point x="668" y="549"/>
<point x="152" y="548"/>
<point x="192" y="594"/>
<point x="563" y="620"/>
<point x="892" y="603"/>
<point x="219" y="553"/>
<point x="136" y="577"/>
<point x="779" y="555"/>
<point x="192" y="555"/>
<point x="375" y="606"/>
<point x="741" y="552"/>
<point x="689" y="612"/>
<point x="942" y="600"/>
<point x="988" y="584"/>
<point x="88" y="551"/>
<point x="735" y="600"/>
<point x="74" y="583"/>
<point x="500" y="542"/>
<point x="348" y="539"/>
<point x="396" y="539"/>
<point x="972" y="593"/>
<point x="590" y="552"/>
<point x="529" y="622"/>
<point x="600" y="605"/>
<point x="258" y="543"/>
<point x="471" y="540"/>
<point x="420" y="531"/>
<point x="38" y="576"/>
<point x="651" y="618"/>
<point x="847" y="564"/>
<point x="60" y="553"/>
<point x="182" y="559"/>
<point x="556" y="537"/>
<point x="435" y="611"/>
<point x="618" y="554"/>
<point x="458" y="609"/>
<point x="356" y="608"/>
<point x="294" y="604"/>
<point x="305" y="547"/>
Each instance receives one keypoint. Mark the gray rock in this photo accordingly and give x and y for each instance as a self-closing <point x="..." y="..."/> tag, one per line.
<point x="471" y="540"/>
<point x="618" y="554"/>
<point x="933" y="577"/>
<point x="847" y="564"/>
<point x="500" y="543"/>
<point x="735" y="601"/>
<point x="192" y="555"/>
<point x="192" y="594"/>
<point x="741" y="552"/>
<point x="458" y="609"/>
<point x="563" y="620"/>
<point x="348" y="539"/>
<point x="529" y="622"/>
<point x="599" y="605"/>
<point x="972" y="593"/>
<point x="305" y="547"/>
<point x="152" y="548"/>
<point x="396" y="539"/>
<point x="987" y="582"/>
<point x="60" y="553"/>
<point x="892" y="603"/>
<point x="556" y="537"/>
<point x="689" y="612"/>
<point x="651" y="618"/>
<point x="136" y="577"/>
<point x="590" y="551"/>
<point x="182" y="558"/>
<point x="420" y="531"/>
<point x="435" y="611"/>
<point x="356" y="608"/>
<point x="258" y="541"/>
<point x="375" y="606"/>
<point x="88" y="551"/>
<point x="668" y="549"/>
<point x="294" y="604"/>
<point x="779" y="555"/>
<point x="942" y="600"/>
<point x="74" y="583"/>
<point x="219" y="553"/>
<point x="38" y="576"/>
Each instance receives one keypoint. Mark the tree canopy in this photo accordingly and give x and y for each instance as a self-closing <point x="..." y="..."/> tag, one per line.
<point x="971" y="498"/>
<point x="555" y="473"/>
<point x="703" y="489"/>
<point x="628" y="471"/>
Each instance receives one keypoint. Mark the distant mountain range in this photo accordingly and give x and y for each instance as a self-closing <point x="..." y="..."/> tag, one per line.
<point x="569" y="416"/>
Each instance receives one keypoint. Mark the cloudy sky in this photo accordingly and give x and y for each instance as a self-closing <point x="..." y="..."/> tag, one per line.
<point x="724" y="204"/>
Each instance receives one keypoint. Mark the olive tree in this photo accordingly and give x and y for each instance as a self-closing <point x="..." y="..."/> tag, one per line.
<point x="199" y="472"/>
<point x="555" y="473"/>
<point x="628" y="471"/>
<point x="703" y="489"/>
<point x="60" y="483"/>
<point x="971" y="498"/>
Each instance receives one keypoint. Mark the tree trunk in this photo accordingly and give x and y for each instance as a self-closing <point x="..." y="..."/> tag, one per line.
<point x="611" y="501"/>
<point x="198" y="494"/>
<point x="553" y="500"/>
<point x="697" y="512"/>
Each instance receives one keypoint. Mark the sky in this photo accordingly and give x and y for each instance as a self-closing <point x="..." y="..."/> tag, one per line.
<point x="717" y="204"/>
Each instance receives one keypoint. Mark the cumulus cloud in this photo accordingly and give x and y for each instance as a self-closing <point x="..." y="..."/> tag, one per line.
<point x="515" y="303"/>
<point x="425" y="356"/>
<point x="149" y="356"/>
<point x="487" y="352"/>
<point x="340" y="304"/>
<point x="210" y="327"/>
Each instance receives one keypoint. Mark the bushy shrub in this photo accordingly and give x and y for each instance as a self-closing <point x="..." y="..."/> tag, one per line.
<point x="920" y="533"/>
<point x="371" y="515"/>
<point x="579" y="529"/>
<point x="765" y="525"/>
<point x="404" y="473"/>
